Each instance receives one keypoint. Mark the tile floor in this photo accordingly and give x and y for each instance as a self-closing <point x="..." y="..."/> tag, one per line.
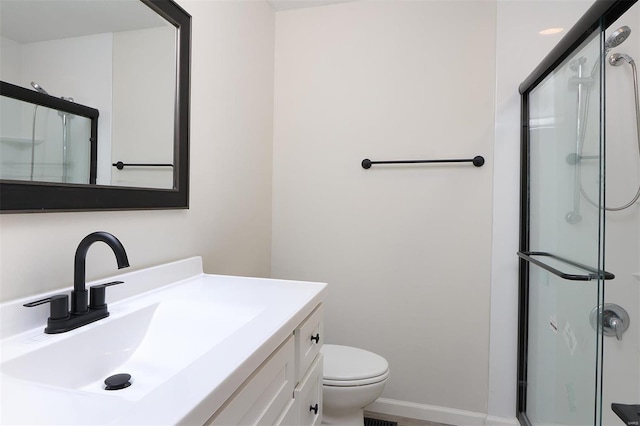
<point x="402" y="421"/>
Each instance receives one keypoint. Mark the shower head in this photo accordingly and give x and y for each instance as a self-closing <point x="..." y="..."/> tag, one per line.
<point x="617" y="37"/>
<point x="39" y="88"/>
<point x="617" y="59"/>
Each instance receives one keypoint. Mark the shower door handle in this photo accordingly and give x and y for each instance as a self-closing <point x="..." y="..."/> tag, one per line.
<point x="592" y="272"/>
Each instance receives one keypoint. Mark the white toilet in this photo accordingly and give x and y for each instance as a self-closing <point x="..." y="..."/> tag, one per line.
<point x="353" y="378"/>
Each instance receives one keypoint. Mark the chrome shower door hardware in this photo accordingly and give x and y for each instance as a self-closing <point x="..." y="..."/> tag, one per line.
<point x="615" y="319"/>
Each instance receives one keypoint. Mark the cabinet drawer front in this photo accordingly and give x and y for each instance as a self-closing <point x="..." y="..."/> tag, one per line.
<point x="290" y="416"/>
<point x="308" y="395"/>
<point x="265" y="396"/>
<point x="309" y="339"/>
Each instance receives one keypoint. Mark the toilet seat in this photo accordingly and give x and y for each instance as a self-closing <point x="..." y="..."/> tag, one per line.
<point x="348" y="366"/>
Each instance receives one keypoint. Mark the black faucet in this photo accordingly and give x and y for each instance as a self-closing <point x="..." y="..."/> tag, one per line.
<point x="83" y="311"/>
<point x="79" y="295"/>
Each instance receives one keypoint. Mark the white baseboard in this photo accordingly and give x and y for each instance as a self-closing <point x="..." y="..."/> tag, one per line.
<point x="437" y="414"/>
<point x="501" y="421"/>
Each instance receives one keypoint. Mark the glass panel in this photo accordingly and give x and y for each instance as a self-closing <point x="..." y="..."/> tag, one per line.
<point x="41" y="144"/>
<point x="563" y="347"/>
<point x="621" y="367"/>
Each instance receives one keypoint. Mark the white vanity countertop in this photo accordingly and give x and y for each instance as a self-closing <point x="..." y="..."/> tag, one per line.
<point x="207" y="374"/>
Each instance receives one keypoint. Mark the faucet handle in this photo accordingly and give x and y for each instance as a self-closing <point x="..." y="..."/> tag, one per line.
<point x="97" y="295"/>
<point x="617" y="325"/>
<point x="59" y="306"/>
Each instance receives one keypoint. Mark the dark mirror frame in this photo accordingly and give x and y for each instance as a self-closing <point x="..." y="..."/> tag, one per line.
<point x="23" y="197"/>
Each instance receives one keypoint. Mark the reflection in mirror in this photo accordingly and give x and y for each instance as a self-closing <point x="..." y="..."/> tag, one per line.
<point x="118" y="57"/>
<point x="43" y="144"/>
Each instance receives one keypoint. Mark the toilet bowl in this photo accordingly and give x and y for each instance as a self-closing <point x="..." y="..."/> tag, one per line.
<point x="352" y="379"/>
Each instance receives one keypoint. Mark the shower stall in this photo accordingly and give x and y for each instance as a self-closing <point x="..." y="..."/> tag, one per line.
<point x="579" y="299"/>
<point x="44" y="138"/>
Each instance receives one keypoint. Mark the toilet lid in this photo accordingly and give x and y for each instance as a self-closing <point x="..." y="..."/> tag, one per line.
<point x="345" y="363"/>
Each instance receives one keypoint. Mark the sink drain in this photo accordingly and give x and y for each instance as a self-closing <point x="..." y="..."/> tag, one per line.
<point x="117" y="381"/>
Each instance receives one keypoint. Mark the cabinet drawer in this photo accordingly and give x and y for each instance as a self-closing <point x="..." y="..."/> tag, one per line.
<point x="309" y="339"/>
<point x="265" y="396"/>
<point x="308" y="395"/>
<point x="290" y="415"/>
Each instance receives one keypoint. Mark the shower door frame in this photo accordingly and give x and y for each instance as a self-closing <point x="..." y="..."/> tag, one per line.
<point x="598" y="17"/>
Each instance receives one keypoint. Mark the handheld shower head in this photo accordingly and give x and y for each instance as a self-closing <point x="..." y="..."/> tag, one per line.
<point x="617" y="59"/>
<point x="38" y="88"/>
<point x="617" y="37"/>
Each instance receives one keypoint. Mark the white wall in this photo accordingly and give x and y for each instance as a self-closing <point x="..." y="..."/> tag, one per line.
<point x="405" y="250"/>
<point x="229" y="220"/>
<point x="11" y="63"/>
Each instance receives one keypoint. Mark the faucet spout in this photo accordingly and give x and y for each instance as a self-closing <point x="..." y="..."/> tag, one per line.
<point x="79" y="295"/>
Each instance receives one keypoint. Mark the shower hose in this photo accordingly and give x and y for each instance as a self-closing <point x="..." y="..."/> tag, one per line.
<point x="637" y="101"/>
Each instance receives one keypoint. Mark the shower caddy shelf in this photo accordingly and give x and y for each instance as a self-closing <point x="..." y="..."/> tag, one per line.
<point x="20" y="142"/>
<point x="477" y="161"/>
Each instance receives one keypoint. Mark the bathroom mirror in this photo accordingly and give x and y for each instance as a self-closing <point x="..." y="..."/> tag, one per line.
<point x="126" y="61"/>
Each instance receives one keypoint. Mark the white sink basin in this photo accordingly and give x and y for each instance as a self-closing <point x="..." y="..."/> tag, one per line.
<point x="188" y="340"/>
<point x="151" y="343"/>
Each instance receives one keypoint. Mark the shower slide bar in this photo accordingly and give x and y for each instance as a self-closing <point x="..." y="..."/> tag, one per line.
<point x="120" y="165"/>
<point x="477" y="161"/>
<point x="594" y="273"/>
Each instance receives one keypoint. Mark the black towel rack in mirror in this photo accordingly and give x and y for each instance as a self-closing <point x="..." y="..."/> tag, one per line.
<point x="120" y="165"/>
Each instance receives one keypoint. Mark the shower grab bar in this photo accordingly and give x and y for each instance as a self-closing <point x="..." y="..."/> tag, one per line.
<point x="120" y="165"/>
<point x="477" y="161"/>
<point x="594" y="273"/>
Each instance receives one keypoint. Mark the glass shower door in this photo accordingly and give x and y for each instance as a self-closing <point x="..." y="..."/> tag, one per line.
<point x="563" y="244"/>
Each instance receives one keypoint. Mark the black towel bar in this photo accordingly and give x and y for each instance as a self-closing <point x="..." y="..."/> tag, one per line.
<point x="120" y="165"/>
<point x="592" y="272"/>
<point x="477" y="161"/>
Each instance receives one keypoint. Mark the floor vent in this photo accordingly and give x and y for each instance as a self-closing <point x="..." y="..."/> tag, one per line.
<point x="376" y="422"/>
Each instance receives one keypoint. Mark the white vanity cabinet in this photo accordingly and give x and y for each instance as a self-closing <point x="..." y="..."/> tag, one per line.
<point x="237" y="351"/>
<point x="287" y="387"/>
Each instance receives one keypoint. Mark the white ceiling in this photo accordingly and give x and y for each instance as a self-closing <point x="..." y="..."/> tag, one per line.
<point x="297" y="4"/>
<point x="28" y="21"/>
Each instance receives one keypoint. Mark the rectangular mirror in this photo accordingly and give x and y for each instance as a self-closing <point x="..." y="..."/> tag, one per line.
<point x="94" y="105"/>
